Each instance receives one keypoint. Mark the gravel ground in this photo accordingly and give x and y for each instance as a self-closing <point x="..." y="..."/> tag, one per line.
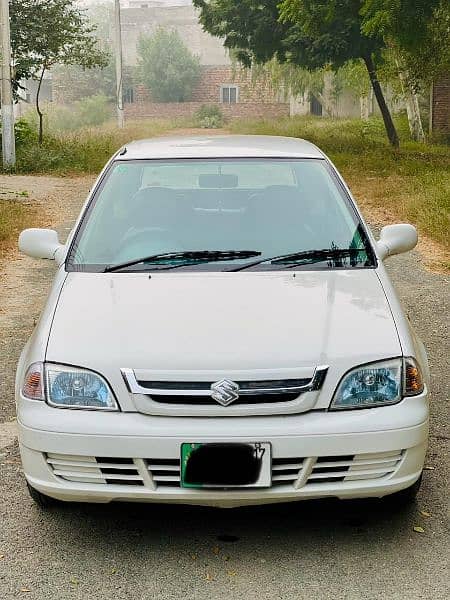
<point x="354" y="550"/>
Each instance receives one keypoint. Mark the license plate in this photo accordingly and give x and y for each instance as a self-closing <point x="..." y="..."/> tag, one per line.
<point x="246" y="465"/>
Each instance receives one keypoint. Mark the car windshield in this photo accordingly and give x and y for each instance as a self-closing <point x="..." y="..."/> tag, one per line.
<point x="218" y="214"/>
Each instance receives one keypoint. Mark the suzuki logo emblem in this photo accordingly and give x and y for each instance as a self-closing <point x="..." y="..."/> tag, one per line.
<point x="225" y="392"/>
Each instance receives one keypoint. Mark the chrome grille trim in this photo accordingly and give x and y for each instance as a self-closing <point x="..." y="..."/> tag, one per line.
<point x="252" y="388"/>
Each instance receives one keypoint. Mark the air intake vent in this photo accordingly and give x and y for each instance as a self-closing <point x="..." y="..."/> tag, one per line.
<point x="330" y="469"/>
<point x="91" y="469"/>
<point x="165" y="471"/>
<point x="286" y="471"/>
<point x="374" y="466"/>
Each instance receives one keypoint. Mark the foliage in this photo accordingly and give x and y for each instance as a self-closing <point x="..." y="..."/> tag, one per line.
<point x="85" y="150"/>
<point x="167" y="67"/>
<point x="24" y="133"/>
<point x="402" y="21"/>
<point x="293" y="79"/>
<point x="411" y="183"/>
<point x="49" y="32"/>
<point x="313" y="34"/>
<point x="209" y="116"/>
<point x="430" y="60"/>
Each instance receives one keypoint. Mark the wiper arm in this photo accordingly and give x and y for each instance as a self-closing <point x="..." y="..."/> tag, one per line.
<point x="291" y="260"/>
<point x="189" y="255"/>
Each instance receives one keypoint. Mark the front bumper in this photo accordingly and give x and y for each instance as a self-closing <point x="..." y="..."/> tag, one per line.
<point x="102" y="457"/>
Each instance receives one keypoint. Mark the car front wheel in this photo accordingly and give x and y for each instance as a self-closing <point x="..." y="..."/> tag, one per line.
<point x="43" y="501"/>
<point x="404" y="497"/>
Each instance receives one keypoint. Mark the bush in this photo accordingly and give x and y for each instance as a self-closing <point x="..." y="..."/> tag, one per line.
<point x="209" y="116"/>
<point x="24" y="133"/>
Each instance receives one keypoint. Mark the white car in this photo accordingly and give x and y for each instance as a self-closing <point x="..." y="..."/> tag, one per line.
<point x="221" y="331"/>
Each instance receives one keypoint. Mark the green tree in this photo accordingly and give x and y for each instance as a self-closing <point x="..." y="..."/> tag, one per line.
<point x="419" y="30"/>
<point x="310" y="33"/>
<point x="167" y="67"/>
<point x="49" y="32"/>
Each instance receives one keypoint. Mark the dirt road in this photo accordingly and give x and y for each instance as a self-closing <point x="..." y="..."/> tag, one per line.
<point x="308" y="550"/>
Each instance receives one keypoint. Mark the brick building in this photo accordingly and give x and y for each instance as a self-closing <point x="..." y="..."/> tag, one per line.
<point x="440" y="106"/>
<point x="237" y="93"/>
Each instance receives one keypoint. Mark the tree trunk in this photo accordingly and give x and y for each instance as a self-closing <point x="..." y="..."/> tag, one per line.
<point x="364" y="107"/>
<point x="412" y="107"/>
<point x="38" y="108"/>
<point x="388" y="122"/>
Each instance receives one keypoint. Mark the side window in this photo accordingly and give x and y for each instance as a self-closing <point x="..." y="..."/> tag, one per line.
<point x="229" y="94"/>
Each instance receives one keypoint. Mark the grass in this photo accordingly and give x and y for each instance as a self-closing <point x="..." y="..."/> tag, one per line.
<point x="86" y="150"/>
<point x="410" y="184"/>
<point x="15" y="215"/>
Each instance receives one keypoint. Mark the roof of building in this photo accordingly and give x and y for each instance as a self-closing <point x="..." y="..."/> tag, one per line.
<point x="226" y="146"/>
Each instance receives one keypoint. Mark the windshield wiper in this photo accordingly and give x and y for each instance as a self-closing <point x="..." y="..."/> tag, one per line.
<point x="310" y="256"/>
<point x="188" y="255"/>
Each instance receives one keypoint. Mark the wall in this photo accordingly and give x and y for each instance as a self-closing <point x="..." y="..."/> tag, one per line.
<point x="440" y="106"/>
<point x="140" y="110"/>
<point x="256" y="98"/>
<point x="212" y="78"/>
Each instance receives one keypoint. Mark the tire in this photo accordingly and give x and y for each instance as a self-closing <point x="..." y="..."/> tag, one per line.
<point x="405" y="497"/>
<point x="44" y="502"/>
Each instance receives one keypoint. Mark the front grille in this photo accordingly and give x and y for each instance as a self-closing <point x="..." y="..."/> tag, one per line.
<point x="208" y="401"/>
<point x="251" y="392"/>
<point x="243" y="385"/>
<point x="154" y="473"/>
<point x="166" y="396"/>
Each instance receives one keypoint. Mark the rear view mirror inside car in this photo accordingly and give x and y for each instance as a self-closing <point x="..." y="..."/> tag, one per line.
<point x="218" y="181"/>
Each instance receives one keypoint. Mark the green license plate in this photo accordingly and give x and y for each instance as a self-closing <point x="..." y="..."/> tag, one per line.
<point x="220" y="465"/>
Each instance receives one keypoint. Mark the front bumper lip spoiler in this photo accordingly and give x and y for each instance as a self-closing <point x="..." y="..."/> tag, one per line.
<point x="85" y="493"/>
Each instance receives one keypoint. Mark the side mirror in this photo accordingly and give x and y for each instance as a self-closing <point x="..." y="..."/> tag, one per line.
<point x="396" y="239"/>
<point x="40" y="243"/>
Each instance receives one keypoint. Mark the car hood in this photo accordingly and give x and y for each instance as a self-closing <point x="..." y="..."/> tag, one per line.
<point x="222" y="322"/>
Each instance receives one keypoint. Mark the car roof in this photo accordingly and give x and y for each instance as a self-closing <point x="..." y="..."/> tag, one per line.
<point x="220" y="146"/>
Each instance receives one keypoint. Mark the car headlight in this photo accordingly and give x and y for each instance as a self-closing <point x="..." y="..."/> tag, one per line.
<point x="378" y="384"/>
<point x="68" y="387"/>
